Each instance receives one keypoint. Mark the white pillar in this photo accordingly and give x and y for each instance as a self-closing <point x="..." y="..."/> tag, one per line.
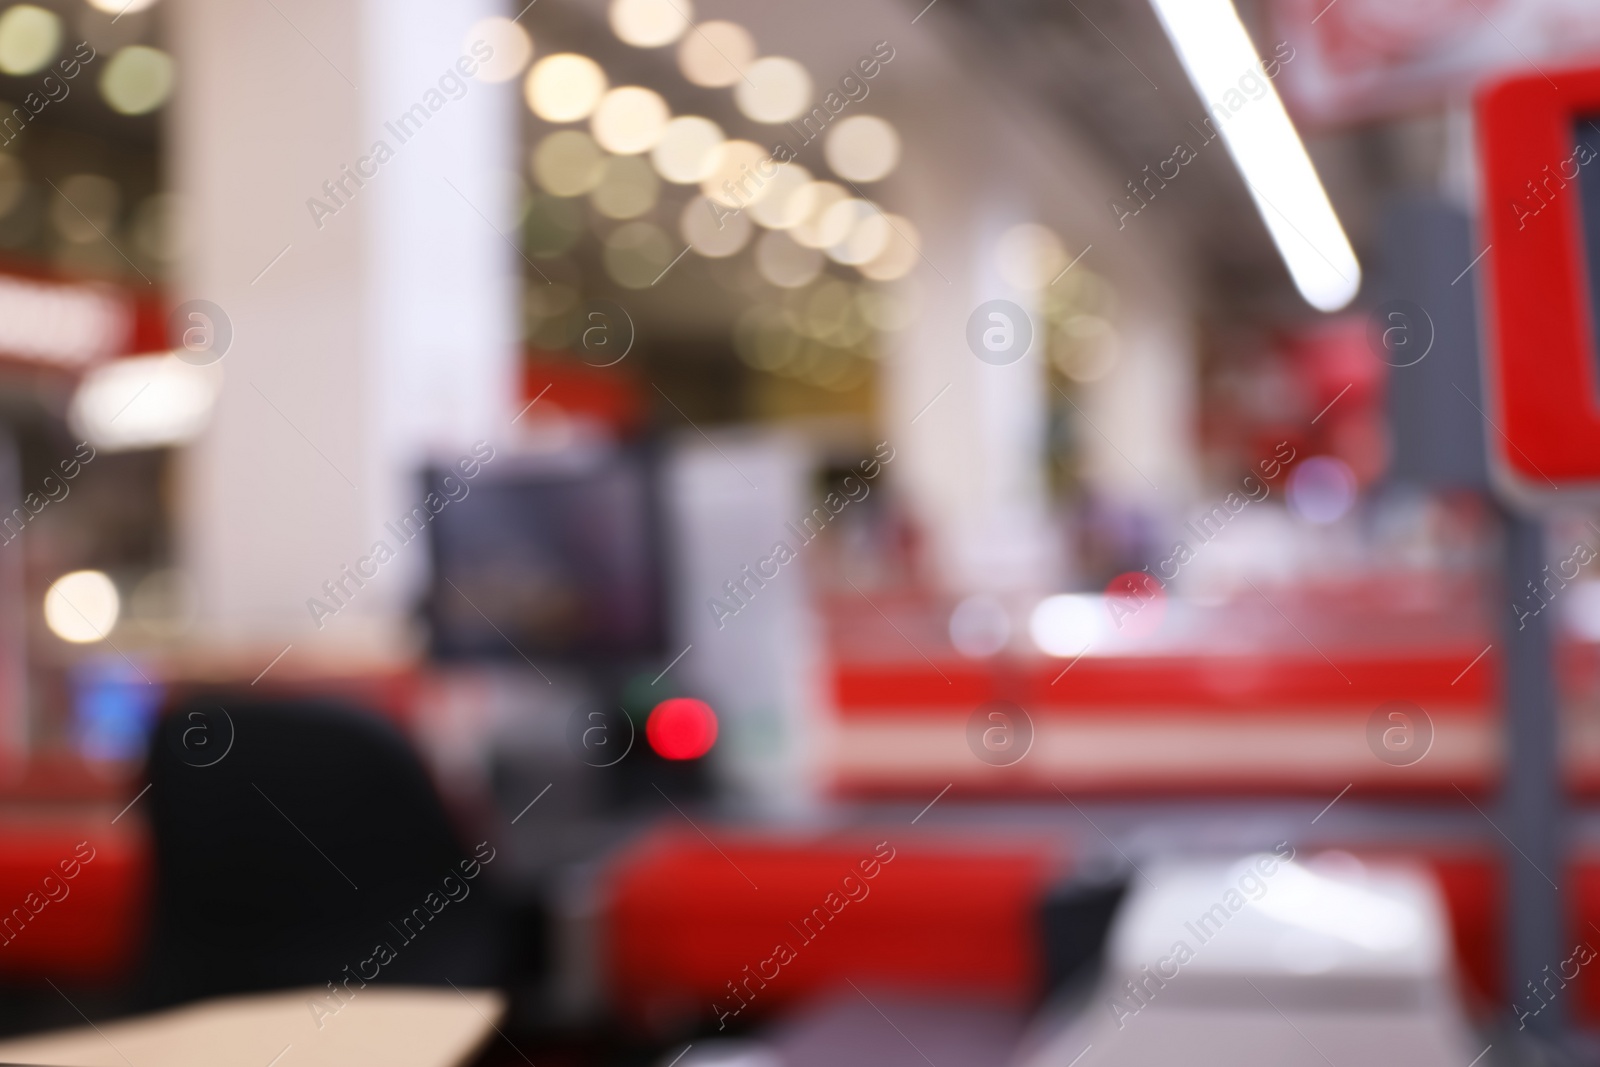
<point x="973" y="465"/>
<point x="363" y="341"/>
<point x="970" y="436"/>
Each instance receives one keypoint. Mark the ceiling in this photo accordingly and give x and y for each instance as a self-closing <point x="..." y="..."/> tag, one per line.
<point x="1103" y="68"/>
<point x="1106" y="67"/>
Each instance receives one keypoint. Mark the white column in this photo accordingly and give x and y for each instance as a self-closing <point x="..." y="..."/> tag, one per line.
<point x="363" y="340"/>
<point x="970" y="436"/>
<point x="973" y="463"/>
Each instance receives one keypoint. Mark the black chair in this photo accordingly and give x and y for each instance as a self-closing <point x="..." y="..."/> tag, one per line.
<point x="292" y="840"/>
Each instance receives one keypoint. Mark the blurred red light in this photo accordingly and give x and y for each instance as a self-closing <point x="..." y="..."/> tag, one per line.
<point x="681" y="728"/>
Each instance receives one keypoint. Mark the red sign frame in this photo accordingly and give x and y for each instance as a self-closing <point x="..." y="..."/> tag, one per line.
<point x="1541" y="370"/>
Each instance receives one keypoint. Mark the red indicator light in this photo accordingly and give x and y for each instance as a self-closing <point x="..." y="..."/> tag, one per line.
<point x="681" y="728"/>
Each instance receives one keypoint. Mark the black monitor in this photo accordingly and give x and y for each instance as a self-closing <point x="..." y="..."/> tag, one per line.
<point x="540" y="561"/>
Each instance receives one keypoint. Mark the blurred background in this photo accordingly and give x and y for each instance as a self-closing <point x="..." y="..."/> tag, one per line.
<point x="756" y="467"/>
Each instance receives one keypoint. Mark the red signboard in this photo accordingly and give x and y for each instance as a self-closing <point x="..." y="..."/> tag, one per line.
<point x="1540" y="152"/>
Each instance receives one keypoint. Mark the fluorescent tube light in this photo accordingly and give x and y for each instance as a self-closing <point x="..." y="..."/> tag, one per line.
<point x="1218" y="56"/>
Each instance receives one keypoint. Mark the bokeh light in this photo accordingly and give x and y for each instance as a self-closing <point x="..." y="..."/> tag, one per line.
<point x="862" y="148"/>
<point x="1067" y="624"/>
<point x="686" y="152"/>
<point x="1322" y="489"/>
<point x="764" y="338"/>
<point x="552" y="226"/>
<point x="774" y="89"/>
<point x="899" y="254"/>
<point x="175" y="402"/>
<point x="822" y="197"/>
<point x="784" y="263"/>
<point x="29" y="39"/>
<point x="82" y="607"/>
<point x="629" y="119"/>
<point x="713" y="230"/>
<point x="137" y="80"/>
<point x="841" y="217"/>
<point x="636" y="254"/>
<point x="628" y="189"/>
<point x="650" y="23"/>
<point x="787" y="200"/>
<point x="865" y="232"/>
<point x="512" y="46"/>
<point x="564" y="87"/>
<point x="884" y="311"/>
<point x="979" y="626"/>
<point x="681" y="728"/>
<point x="715" y="54"/>
<point x="568" y="163"/>
<point x="735" y="180"/>
<point x="830" y="313"/>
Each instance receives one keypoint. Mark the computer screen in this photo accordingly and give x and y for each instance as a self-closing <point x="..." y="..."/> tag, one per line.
<point x="538" y="561"/>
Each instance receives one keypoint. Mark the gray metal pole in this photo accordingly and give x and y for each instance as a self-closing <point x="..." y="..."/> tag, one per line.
<point x="16" y="728"/>
<point x="1532" y="801"/>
